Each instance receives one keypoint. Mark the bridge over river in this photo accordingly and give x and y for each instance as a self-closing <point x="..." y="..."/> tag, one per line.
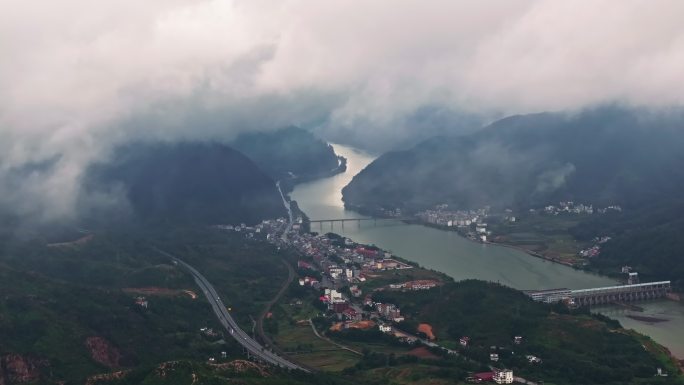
<point x="358" y="221"/>
<point x="604" y="295"/>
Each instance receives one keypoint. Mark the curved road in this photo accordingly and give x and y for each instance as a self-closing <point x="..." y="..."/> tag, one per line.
<point x="252" y="346"/>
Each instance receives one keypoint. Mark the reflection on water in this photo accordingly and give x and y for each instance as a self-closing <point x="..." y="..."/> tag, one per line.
<point x="461" y="258"/>
<point x="436" y="249"/>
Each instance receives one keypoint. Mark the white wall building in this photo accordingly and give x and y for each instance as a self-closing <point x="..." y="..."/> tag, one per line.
<point x="503" y="376"/>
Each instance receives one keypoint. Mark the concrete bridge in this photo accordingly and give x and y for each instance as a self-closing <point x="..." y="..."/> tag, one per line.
<point x="622" y="293"/>
<point x="604" y="295"/>
<point x="355" y="220"/>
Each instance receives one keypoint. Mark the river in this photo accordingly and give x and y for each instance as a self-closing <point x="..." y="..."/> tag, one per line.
<point x="460" y="258"/>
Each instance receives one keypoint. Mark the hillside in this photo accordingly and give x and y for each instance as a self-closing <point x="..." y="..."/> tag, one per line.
<point x="648" y="239"/>
<point x="289" y="152"/>
<point x="195" y="182"/>
<point x="575" y="347"/>
<point x="70" y="312"/>
<point x="603" y="156"/>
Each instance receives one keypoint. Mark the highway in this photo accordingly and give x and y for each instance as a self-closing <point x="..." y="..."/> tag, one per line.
<point x="252" y="346"/>
<point x="286" y="203"/>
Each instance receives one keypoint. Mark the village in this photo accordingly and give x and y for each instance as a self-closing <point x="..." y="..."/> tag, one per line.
<point x="339" y="270"/>
<point x="506" y="227"/>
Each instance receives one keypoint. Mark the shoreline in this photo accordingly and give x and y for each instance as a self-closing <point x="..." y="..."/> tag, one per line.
<point x="290" y="183"/>
<point x="537" y="255"/>
<point x="369" y="213"/>
<point x="514" y="247"/>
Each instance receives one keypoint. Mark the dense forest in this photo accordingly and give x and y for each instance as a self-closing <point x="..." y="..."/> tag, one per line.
<point x="648" y="239"/>
<point x="195" y="182"/>
<point x="289" y="152"/>
<point x="605" y="156"/>
<point x="602" y="156"/>
<point x="71" y="311"/>
<point x="575" y="347"/>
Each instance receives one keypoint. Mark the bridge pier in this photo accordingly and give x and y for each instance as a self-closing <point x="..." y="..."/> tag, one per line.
<point x="605" y="295"/>
<point x="624" y="293"/>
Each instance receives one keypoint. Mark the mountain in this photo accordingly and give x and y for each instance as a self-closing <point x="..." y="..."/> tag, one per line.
<point x="288" y="152"/>
<point x="648" y="239"/>
<point x="195" y="182"/>
<point x="603" y="156"/>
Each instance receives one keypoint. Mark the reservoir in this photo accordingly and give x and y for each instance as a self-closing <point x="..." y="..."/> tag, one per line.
<point x="460" y="258"/>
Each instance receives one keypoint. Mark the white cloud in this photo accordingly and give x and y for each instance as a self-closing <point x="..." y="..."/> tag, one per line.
<point x="77" y="76"/>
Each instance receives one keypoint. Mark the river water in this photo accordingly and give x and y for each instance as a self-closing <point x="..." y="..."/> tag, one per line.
<point x="460" y="258"/>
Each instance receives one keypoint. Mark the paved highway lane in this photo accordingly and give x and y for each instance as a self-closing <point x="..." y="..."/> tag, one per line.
<point x="252" y="346"/>
<point x="286" y="203"/>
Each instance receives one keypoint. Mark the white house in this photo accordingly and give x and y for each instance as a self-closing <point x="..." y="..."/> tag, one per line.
<point x="504" y="376"/>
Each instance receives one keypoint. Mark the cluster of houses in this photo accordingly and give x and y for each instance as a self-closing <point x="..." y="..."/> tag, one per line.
<point x="389" y="312"/>
<point x="421" y="284"/>
<point x="571" y="207"/>
<point x="499" y="376"/>
<point x="442" y="215"/>
<point x="341" y="305"/>
<point x="346" y="310"/>
<point x="209" y="332"/>
<point x="142" y="302"/>
<point x="330" y="263"/>
<point x="250" y="231"/>
<point x="595" y="249"/>
<point x="340" y="261"/>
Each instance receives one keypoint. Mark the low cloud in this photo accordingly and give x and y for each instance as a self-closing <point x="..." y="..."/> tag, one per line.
<point x="78" y="77"/>
<point x="554" y="179"/>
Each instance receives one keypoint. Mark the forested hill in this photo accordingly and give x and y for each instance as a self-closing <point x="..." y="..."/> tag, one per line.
<point x="193" y="182"/>
<point x="287" y="152"/>
<point x="603" y="156"/>
<point x="648" y="239"/>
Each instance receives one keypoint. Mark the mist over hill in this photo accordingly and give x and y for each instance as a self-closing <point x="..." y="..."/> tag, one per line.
<point x="189" y="181"/>
<point x="601" y="156"/>
<point x="287" y="152"/>
<point x="604" y="156"/>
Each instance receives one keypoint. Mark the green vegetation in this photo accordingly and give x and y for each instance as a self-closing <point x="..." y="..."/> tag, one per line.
<point x="603" y="156"/>
<point x="57" y="298"/>
<point x="294" y="334"/>
<point x="647" y="239"/>
<point x="186" y="182"/>
<point x="575" y="348"/>
<point x="547" y="235"/>
<point x="289" y="152"/>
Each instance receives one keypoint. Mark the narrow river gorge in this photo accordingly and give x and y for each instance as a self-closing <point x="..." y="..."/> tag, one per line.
<point x="461" y="258"/>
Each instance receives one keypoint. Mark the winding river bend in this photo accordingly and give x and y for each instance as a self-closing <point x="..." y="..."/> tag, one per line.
<point x="461" y="258"/>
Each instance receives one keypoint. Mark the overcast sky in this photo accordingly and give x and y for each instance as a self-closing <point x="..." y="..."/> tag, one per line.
<point x="77" y="76"/>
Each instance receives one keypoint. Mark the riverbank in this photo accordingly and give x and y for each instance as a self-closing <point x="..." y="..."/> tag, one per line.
<point x="289" y="183"/>
<point x="538" y="255"/>
<point x="461" y="259"/>
<point x="502" y="244"/>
